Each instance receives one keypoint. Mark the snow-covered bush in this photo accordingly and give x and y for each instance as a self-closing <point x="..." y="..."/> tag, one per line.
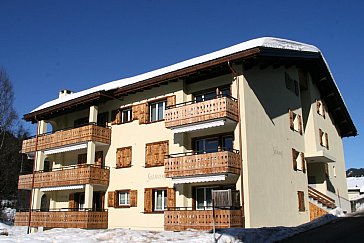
<point x="7" y="215"/>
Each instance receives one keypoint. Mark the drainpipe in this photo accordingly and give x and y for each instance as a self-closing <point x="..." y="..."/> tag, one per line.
<point x="240" y="137"/>
<point x="32" y="187"/>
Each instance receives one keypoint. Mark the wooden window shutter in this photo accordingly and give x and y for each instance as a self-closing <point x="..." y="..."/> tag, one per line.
<point x="155" y="153"/>
<point x="123" y="157"/>
<point x="301" y="201"/>
<point x="327" y="169"/>
<point x="115" y="117"/>
<point x="327" y="140"/>
<point x="300" y="127"/>
<point x="71" y="201"/>
<point x="119" y="158"/>
<point x="171" y="198"/>
<point x="303" y="162"/>
<point x="148" y="200"/>
<point x="294" y="158"/>
<point x="111" y="199"/>
<point x="133" y="198"/>
<point x="320" y="135"/>
<point x="82" y="159"/>
<point x="99" y="156"/>
<point x="291" y="123"/>
<point x="318" y="104"/>
<point x="171" y="100"/>
<point x="141" y="113"/>
<point x="323" y="111"/>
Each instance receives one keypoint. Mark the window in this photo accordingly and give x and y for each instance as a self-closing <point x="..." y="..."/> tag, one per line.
<point x="291" y="84"/>
<point x="204" y="197"/>
<point x="295" y="121"/>
<point x="160" y="200"/>
<point x="102" y="119"/>
<point x="324" y="139"/>
<point x="301" y="201"/>
<point x="80" y="122"/>
<point x="214" y="144"/>
<point x="124" y="198"/>
<point x="156" y="111"/>
<point x="212" y="94"/>
<point x="298" y="160"/>
<point x="320" y="108"/>
<point x="126" y="115"/>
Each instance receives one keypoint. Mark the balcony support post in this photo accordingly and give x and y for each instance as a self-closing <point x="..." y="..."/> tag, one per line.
<point x="89" y="191"/>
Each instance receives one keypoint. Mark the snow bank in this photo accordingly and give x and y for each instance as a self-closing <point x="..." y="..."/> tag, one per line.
<point x="267" y="234"/>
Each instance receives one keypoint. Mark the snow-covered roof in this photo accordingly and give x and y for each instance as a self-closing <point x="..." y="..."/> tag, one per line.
<point x="355" y="183"/>
<point x="259" y="42"/>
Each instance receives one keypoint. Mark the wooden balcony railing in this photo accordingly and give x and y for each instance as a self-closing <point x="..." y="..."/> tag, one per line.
<point x="202" y="164"/>
<point x="65" y="176"/>
<point x="321" y="198"/>
<point x="85" y="133"/>
<point x="188" y="113"/>
<point x="64" y="219"/>
<point x="177" y="220"/>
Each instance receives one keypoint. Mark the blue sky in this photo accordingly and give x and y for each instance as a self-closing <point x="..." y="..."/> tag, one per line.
<point x="46" y="46"/>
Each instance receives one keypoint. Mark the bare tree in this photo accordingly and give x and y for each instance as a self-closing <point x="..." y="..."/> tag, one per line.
<point x="7" y="113"/>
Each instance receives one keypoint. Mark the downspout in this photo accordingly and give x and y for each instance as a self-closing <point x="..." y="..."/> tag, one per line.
<point x="240" y="138"/>
<point x="32" y="187"/>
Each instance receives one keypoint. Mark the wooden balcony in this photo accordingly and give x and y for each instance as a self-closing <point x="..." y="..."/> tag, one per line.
<point x="201" y="164"/>
<point x="64" y="219"/>
<point x="178" y="220"/>
<point x="66" y="176"/>
<point x="189" y="113"/>
<point x="66" y="137"/>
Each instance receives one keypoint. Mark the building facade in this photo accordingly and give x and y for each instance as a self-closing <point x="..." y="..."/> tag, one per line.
<point x="257" y="127"/>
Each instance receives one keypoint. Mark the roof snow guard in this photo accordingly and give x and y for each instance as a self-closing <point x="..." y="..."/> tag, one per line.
<point x="267" y="48"/>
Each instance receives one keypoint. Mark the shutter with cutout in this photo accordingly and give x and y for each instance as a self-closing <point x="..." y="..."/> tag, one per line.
<point x="171" y="198"/>
<point x="71" y="201"/>
<point x="99" y="156"/>
<point x="294" y="158"/>
<point x="300" y="127"/>
<point x="111" y="199"/>
<point x="327" y="140"/>
<point x="320" y="135"/>
<point x="301" y="201"/>
<point x="291" y="121"/>
<point x="133" y="198"/>
<point x="171" y="100"/>
<point x="148" y="200"/>
<point x="141" y="113"/>
<point x="303" y="162"/>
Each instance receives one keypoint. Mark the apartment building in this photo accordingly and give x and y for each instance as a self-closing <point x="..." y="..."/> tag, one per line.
<point x="257" y="127"/>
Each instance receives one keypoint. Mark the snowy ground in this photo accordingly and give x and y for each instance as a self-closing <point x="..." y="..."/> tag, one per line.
<point x="11" y="234"/>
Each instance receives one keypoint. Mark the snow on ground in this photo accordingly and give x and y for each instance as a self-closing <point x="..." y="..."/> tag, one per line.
<point x="266" y="234"/>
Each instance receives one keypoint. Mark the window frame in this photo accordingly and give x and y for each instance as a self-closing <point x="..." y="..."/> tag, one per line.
<point x="126" y="192"/>
<point x="155" y="199"/>
<point x="217" y="90"/>
<point x="220" y="139"/>
<point x="157" y="102"/>
<point x="129" y="111"/>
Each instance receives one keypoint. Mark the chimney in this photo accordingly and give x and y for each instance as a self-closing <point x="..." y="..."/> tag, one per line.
<point x="64" y="92"/>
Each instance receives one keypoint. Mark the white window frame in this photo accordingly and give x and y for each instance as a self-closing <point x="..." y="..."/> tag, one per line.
<point x="205" y="206"/>
<point x="157" y="104"/>
<point x="164" y="201"/>
<point x="127" y="198"/>
<point x="129" y="115"/>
